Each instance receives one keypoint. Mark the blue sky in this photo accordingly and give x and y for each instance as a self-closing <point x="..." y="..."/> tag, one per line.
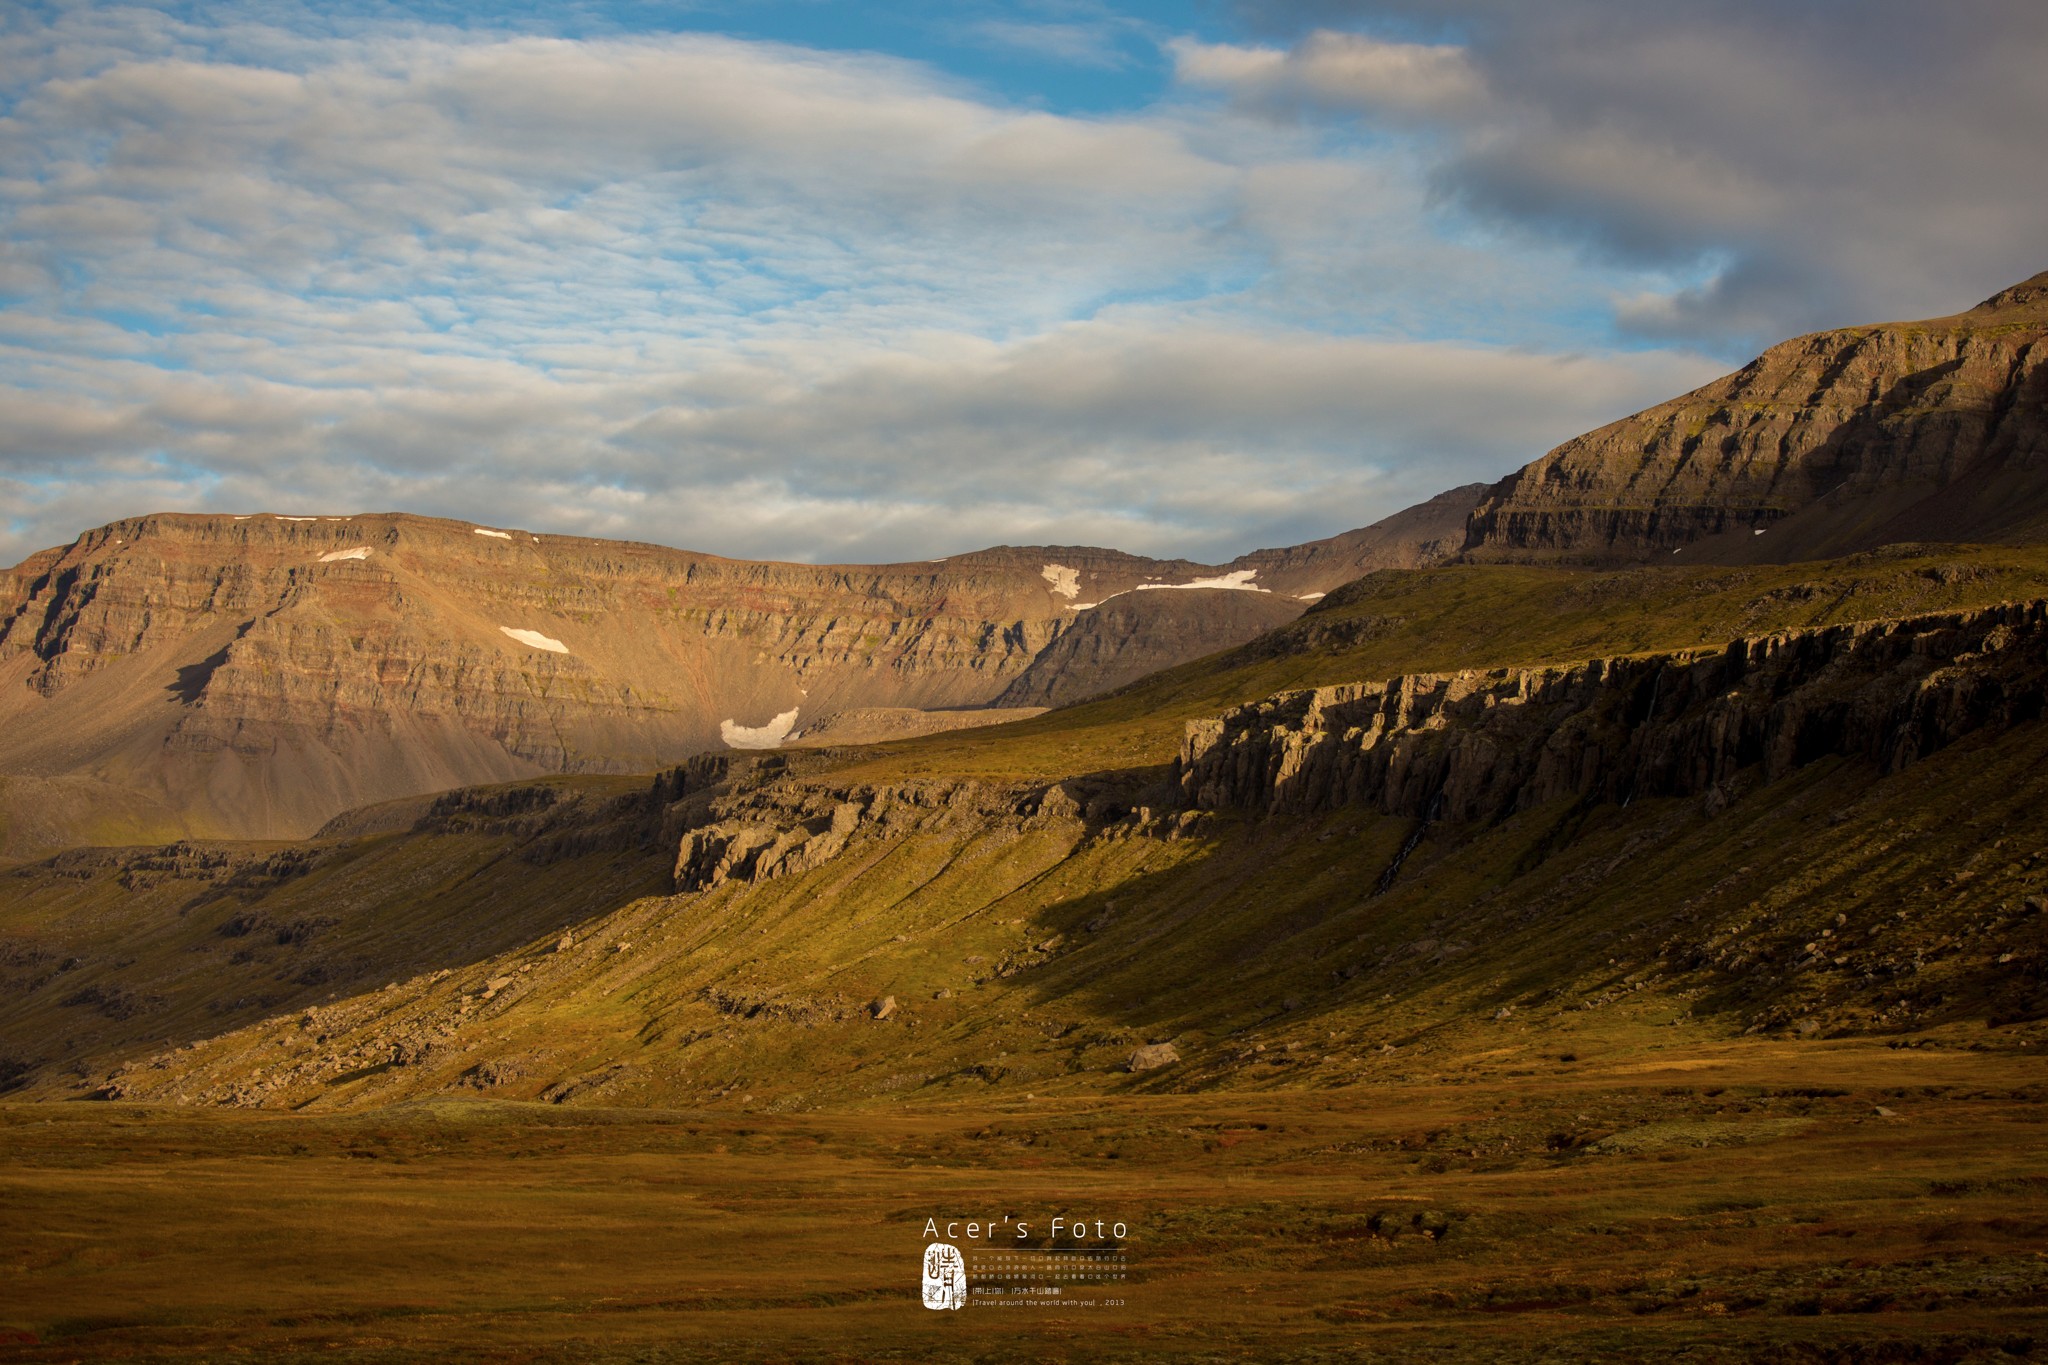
<point x="836" y="282"/>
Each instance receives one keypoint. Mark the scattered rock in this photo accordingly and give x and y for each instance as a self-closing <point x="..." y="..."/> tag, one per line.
<point x="492" y="1074"/>
<point x="883" y="1008"/>
<point x="496" y="984"/>
<point x="942" y="993"/>
<point x="565" y="943"/>
<point x="1881" y="1112"/>
<point x="1152" y="1056"/>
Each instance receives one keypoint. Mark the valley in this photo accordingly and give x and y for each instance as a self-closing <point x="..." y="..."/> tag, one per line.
<point x="1535" y="945"/>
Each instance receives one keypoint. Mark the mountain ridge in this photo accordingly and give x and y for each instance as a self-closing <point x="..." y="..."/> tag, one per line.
<point x="1838" y="441"/>
<point x="258" y="675"/>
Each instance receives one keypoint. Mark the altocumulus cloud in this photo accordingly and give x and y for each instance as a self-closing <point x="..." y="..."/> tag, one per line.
<point x="748" y="297"/>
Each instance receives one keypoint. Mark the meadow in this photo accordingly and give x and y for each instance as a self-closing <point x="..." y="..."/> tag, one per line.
<point x="1763" y="1199"/>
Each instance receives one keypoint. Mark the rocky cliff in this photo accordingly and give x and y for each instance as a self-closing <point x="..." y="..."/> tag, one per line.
<point x="1824" y="445"/>
<point x="1478" y="746"/>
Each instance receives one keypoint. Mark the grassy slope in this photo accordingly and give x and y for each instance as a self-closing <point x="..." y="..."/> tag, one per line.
<point x="1205" y="941"/>
<point x="1259" y="949"/>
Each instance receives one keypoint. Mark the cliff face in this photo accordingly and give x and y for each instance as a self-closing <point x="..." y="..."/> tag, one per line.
<point x="1824" y="445"/>
<point x="254" y="676"/>
<point x="1478" y="746"/>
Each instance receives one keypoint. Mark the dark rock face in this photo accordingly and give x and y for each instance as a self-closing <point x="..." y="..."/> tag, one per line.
<point x="1478" y="746"/>
<point x="1826" y="444"/>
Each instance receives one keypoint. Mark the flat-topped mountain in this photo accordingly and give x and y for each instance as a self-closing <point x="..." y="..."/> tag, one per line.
<point x="1824" y="445"/>
<point x="253" y="676"/>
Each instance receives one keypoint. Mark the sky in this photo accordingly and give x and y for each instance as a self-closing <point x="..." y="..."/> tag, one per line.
<point x="818" y="281"/>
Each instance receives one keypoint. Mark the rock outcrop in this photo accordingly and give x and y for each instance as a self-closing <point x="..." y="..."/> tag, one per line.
<point x="756" y="833"/>
<point x="1824" y="445"/>
<point x="1479" y="746"/>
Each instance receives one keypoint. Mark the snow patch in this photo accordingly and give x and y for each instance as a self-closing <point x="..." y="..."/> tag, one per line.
<point x="1082" y="606"/>
<point x="360" y="552"/>
<point x="1065" y="581"/>
<point x="769" y="736"/>
<point x="1310" y="597"/>
<point x="298" y="518"/>
<point x="536" y="639"/>
<point x="1240" y="581"/>
<point x="499" y="535"/>
<point x="1759" y="531"/>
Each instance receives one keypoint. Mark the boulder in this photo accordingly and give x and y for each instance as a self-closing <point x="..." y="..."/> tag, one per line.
<point x="1152" y="1056"/>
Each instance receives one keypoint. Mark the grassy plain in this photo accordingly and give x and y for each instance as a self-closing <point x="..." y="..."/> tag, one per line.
<point x="1756" y="1200"/>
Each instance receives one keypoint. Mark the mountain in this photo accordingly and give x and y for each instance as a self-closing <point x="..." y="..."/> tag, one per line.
<point x="255" y="676"/>
<point x="1751" y="825"/>
<point x="1824" y="445"/>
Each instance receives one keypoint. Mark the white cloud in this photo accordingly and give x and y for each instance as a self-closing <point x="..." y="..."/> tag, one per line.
<point x="1792" y="168"/>
<point x="1343" y="71"/>
<point x="747" y="297"/>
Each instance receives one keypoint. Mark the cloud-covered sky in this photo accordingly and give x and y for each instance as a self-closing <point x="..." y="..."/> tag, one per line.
<point x="807" y="281"/>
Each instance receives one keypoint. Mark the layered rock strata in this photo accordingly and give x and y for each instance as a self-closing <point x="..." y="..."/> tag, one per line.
<point x="1478" y="746"/>
<point x="1824" y="445"/>
<point x="255" y="676"/>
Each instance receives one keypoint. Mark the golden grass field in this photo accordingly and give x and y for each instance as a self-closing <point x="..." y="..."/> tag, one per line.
<point x="1732" y="1202"/>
